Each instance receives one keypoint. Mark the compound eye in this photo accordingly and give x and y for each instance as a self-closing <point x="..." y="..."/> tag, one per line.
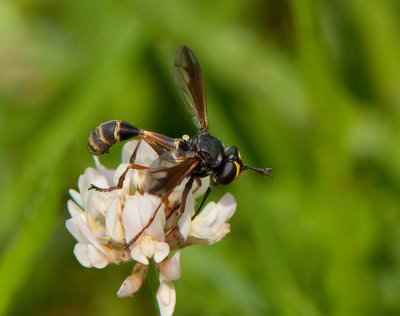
<point x="228" y="172"/>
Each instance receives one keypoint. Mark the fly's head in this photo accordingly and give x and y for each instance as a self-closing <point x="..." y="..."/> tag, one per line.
<point x="232" y="167"/>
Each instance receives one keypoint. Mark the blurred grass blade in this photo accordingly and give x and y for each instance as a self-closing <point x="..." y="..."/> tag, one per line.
<point x="19" y="259"/>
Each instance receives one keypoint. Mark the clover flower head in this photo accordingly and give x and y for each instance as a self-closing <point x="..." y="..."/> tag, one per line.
<point x="104" y="223"/>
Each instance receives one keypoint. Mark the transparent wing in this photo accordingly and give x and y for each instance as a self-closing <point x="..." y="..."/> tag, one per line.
<point x="166" y="172"/>
<point x="190" y="85"/>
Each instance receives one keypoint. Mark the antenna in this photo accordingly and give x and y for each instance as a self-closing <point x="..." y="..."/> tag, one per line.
<point x="264" y="171"/>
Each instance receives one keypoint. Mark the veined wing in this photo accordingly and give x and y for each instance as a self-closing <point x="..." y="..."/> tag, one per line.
<point x="166" y="172"/>
<point x="190" y="85"/>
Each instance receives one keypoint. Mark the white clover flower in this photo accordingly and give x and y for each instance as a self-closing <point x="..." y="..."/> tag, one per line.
<point x="103" y="223"/>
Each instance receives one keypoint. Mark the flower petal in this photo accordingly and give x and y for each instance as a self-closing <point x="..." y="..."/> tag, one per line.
<point x="113" y="223"/>
<point x="226" y="207"/>
<point x="133" y="282"/>
<point x="202" y="223"/>
<point x="76" y="197"/>
<point x="211" y="223"/>
<point x="170" y="268"/>
<point x="185" y="220"/>
<point x="73" y="225"/>
<point x="147" y="246"/>
<point x="107" y="173"/>
<point x="166" y="298"/>
<point x="199" y="191"/>
<point x="199" y="228"/>
<point x="219" y="234"/>
<point x="82" y="233"/>
<point x="137" y="212"/>
<point x="132" y="216"/>
<point x="97" y="258"/>
<point x="130" y="285"/>
<point x="210" y="213"/>
<point x="137" y="255"/>
<point x="81" y="254"/>
<point x="74" y="209"/>
<point x="161" y="251"/>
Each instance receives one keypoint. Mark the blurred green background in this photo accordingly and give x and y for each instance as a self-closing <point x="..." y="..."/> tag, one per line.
<point x="309" y="88"/>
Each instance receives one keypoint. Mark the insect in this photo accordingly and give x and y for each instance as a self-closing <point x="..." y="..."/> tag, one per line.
<point x="179" y="158"/>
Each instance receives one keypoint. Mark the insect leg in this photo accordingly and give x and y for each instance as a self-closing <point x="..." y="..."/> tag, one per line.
<point x="198" y="182"/>
<point x="123" y="175"/>
<point x="133" y="165"/>
<point x="185" y="193"/>
<point x="155" y="147"/>
<point x="204" y="199"/>
<point x="153" y="139"/>
<point x="133" y="156"/>
<point x="120" y="180"/>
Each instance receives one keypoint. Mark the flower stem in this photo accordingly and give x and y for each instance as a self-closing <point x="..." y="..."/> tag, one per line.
<point x="152" y="278"/>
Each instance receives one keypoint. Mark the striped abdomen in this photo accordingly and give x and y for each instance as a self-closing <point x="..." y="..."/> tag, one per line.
<point x="109" y="133"/>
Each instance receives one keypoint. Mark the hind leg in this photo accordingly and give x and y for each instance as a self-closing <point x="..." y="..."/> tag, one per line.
<point x="123" y="175"/>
